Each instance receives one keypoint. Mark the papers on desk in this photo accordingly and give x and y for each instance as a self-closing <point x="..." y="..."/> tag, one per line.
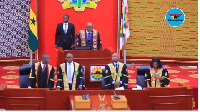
<point x="119" y="88"/>
<point x="138" y="88"/>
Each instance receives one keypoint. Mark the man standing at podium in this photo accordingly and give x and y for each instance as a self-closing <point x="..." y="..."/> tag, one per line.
<point x="65" y="34"/>
<point x="89" y="37"/>
<point x="42" y="74"/>
<point x="116" y="74"/>
<point x="70" y="75"/>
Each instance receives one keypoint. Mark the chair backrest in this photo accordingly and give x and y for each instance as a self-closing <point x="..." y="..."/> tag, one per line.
<point x="141" y="75"/>
<point x="141" y="81"/>
<point x="141" y="70"/>
<point x="24" y="72"/>
<point x="84" y="76"/>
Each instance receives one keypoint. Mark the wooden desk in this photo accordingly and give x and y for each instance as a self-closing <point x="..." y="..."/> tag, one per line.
<point x="172" y="98"/>
<point x="95" y="103"/>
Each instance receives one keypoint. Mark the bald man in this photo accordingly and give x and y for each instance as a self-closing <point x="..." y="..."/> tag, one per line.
<point x="89" y="37"/>
<point x="70" y="75"/>
<point x="65" y="34"/>
<point x="42" y="74"/>
<point x="116" y="74"/>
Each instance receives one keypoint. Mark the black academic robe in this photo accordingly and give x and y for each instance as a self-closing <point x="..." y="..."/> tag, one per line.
<point x="41" y="79"/>
<point x="123" y="78"/>
<point x="163" y="83"/>
<point x="65" y="40"/>
<point x="89" y="42"/>
<point x="79" y="76"/>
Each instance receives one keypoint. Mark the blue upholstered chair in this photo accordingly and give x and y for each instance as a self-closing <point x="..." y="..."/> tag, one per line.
<point x="24" y="72"/>
<point x="141" y="75"/>
<point x="84" y="75"/>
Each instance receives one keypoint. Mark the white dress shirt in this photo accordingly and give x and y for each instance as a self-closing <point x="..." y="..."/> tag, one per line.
<point x="70" y="72"/>
<point x="65" y="27"/>
<point x="88" y="32"/>
<point x="42" y="65"/>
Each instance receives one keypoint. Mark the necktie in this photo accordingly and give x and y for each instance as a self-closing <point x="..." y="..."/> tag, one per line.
<point x="43" y="68"/>
<point x="69" y="73"/>
<point x="88" y="37"/>
<point x="116" y="67"/>
<point x="65" y="28"/>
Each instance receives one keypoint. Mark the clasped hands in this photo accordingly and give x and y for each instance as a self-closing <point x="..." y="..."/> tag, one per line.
<point x="117" y="84"/>
<point x="156" y="76"/>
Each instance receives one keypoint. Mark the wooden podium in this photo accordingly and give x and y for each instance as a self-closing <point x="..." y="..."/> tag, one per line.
<point x="87" y="58"/>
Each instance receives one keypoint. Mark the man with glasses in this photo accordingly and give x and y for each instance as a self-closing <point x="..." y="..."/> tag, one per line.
<point x="89" y="37"/>
<point x="70" y="75"/>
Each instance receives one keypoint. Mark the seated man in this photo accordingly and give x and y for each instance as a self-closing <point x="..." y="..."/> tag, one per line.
<point x="156" y="76"/>
<point x="89" y="37"/>
<point x="116" y="74"/>
<point x="70" y="75"/>
<point x="42" y="74"/>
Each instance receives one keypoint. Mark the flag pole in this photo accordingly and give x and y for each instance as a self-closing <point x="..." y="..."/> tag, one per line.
<point x="124" y="48"/>
<point x="31" y="58"/>
<point x="36" y="5"/>
<point x="118" y="27"/>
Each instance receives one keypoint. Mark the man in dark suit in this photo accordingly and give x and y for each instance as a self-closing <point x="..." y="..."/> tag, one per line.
<point x="116" y="74"/>
<point x="65" y="34"/>
<point x="70" y="75"/>
<point x="42" y="74"/>
<point x="89" y="37"/>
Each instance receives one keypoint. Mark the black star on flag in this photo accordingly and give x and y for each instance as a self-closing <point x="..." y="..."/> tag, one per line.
<point x="33" y="21"/>
<point x="175" y="17"/>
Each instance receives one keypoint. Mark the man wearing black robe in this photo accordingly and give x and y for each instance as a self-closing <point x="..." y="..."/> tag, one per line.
<point x="116" y="74"/>
<point x="42" y="74"/>
<point x="70" y="75"/>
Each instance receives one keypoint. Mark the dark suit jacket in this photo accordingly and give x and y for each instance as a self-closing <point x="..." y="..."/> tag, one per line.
<point x="65" y="39"/>
<point x="78" y="41"/>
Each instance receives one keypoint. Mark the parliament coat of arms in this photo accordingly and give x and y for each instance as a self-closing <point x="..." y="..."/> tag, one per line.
<point x="79" y="5"/>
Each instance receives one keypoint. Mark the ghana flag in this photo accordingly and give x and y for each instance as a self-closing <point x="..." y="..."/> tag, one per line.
<point x="124" y="28"/>
<point x="175" y="16"/>
<point x="33" y="37"/>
